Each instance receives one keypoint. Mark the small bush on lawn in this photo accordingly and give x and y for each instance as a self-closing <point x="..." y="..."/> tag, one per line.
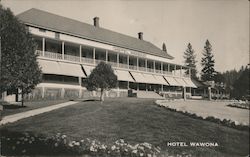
<point x="16" y="143"/>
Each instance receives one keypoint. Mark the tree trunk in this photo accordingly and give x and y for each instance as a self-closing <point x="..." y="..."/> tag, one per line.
<point x="102" y="95"/>
<point x="22" y="96"/>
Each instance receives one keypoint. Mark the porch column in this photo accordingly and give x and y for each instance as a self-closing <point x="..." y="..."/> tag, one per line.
<point x="184" y="94"/>
<point x="161" y="67"/>
<point x="128" y="61"/>
<point x="168" y="67"/>
<point x="94" y="55"/>
<point x="146" y="64"/>
<point x="63" y="50"/>
<point x="174" y="69"/>
<point x="80" y="53"/>
<point x="106" y="56"/>
<point x="43" y="46"/>
<point x="137" y="63"/>
<point x="43" y="91"/>
<point x="137" y="86"/>
<point x="181" y="71"/>
<point x="209" y="93"/>
<point x="117" y="59"/>
<point x="154" y="66"/>
<point x="128" y="85"/>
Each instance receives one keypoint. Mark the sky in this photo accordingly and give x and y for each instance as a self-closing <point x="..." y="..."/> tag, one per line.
<point x="225" y="23"/>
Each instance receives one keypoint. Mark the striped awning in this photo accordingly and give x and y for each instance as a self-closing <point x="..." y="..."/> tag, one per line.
<point x="189" y="83"/>
<point x="61" y="68"/>
<point x="123" y="75"/>
<point x="172" y="81"/>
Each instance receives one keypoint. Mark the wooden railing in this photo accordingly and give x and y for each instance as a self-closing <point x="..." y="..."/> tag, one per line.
<point x="72" y="58"/>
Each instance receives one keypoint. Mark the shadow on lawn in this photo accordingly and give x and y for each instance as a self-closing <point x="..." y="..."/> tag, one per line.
<point x="13" y="106"/>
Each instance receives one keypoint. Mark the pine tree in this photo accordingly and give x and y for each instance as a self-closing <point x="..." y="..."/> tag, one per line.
<point x="190" y="61"/>
<point x="19" y="68"/>
<point x="207" y="62"/>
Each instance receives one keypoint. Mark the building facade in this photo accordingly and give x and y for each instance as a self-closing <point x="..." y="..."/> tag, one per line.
<point x="68" y="50"/>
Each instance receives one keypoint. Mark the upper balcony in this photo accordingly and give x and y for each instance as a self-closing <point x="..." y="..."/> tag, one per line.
<point x="60" y="50"/>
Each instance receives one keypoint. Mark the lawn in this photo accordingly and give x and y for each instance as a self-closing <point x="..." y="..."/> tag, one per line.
<point x="29" y="105"/>
<point x="137" y="120"/>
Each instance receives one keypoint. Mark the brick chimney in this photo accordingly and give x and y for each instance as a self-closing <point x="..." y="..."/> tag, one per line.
<point x="140" y="35"/>
<point x="96" y="21"/>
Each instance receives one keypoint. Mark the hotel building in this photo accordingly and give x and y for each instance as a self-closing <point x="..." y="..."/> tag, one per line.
<point x="68" y="50"/>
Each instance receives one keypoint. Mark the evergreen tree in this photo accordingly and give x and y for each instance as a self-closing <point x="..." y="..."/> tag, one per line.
<point x="207" y="62"/>
<point x="190" y="61"/>
<point x="19" y="68"/>
<point x="102" y="77"/>
<point x="241" y="85"/>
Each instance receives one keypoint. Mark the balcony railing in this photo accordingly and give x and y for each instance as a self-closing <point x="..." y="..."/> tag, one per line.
<point x="150" y="70"/>
<point x="113" y="64"/>
<point x="158" y="71"/>
<point x="132" y="67"/>
<point x="167" y="72"/>
<point x="142" y="69"/>
<point x="71" y="58"/>
<point x="125" y="66"/>
<point x="87" y="60"/>
<point x="55" y="55"/>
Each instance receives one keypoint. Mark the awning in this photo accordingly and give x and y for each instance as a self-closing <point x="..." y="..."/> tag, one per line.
<point x="172" y="81"/>
<point x="88" y="69"/>
<point x="190" y="83"/>
<point x="61" y="68"/>
<point x="181" y="81"/>
<point x="151" y="79"/>
<point x="139" y="77"/>
<point x="161" y="79"/>
<point x="123" y="75"/>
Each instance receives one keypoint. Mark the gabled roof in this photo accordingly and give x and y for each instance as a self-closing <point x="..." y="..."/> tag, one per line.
<point x="49" y="21"/>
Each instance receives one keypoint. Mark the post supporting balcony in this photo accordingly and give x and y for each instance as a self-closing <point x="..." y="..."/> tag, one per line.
<point x="146" y="64"/>
<point x="161" y="67"/>
<point x="117" y="59"/>
<point x="106" y="52"/>
<point x="63" y="50"/>
<point x="154" y="65"/>
<point x="80" y="52"/>
<point x="43" y="46"/>
<point x="94" y="55"/>
<point x="137" y="63"/>
<point x="128" y="61"/>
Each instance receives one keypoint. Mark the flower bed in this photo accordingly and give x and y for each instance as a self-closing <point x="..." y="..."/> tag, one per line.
<point x="15" y="143"/>
<point x="242" y="105"/>
<point x="225" y="122"/>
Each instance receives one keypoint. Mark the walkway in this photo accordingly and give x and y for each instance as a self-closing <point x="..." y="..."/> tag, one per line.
<point x="26" y="114"/>
<point x="204" y="108"/>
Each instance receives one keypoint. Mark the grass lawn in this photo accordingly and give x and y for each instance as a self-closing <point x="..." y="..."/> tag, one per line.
<point x="29" y="105"/>
<point x="137" y="120"/>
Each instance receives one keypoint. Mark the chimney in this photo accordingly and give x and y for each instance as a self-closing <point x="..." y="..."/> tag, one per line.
<point x="164" y="47"/>
<point x="96" y="21"/>
<point x="140" y="35"/>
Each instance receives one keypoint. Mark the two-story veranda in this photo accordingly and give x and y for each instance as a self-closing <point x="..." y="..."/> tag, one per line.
<point x="67" y="57"/>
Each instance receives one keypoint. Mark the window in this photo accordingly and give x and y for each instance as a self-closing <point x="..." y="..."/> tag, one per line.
<point x="60" y="79"/>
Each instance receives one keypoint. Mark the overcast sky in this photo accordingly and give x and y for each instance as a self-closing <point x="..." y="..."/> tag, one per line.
<point x="225" y="23"/>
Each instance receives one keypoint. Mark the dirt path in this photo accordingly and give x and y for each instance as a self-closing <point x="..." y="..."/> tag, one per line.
<point x="18" y="116"/>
